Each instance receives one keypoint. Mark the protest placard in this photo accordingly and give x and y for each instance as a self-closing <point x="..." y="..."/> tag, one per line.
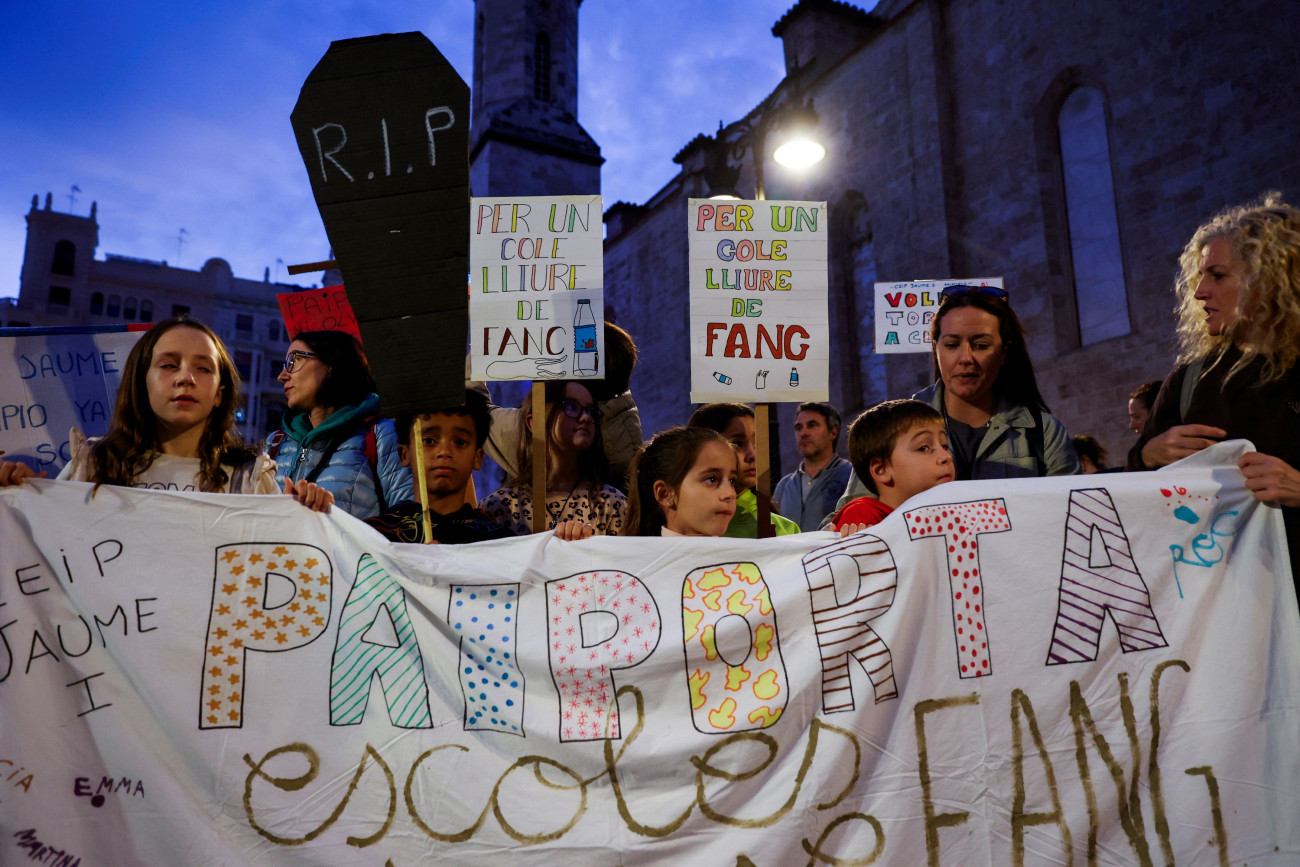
<point x="758" y="284"/>
<point x="536" y="288"/>
<point x="905" y="310"/>
<point x="52" y="380"/>
<point x="1075" y="669"/>
<point x="323" y="309"/>
<point x="382" y="125"/>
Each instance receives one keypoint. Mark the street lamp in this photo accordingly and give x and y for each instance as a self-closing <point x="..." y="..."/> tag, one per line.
<point x="792" y="121"/>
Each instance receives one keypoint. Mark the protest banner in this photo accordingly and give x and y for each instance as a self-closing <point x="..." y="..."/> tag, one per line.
<point x="758" y="289"/>
<point x="905" y="310"/>
<point x="1081" y="670"/>
<point x="382" y="124"/>
<point x="536" y="288"/>
<point x="323" y="309"/>
<point x="55" y="379"/>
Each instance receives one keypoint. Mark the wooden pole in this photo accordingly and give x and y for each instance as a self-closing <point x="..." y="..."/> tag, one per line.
<point x="763" y="485"/>
<point x="417" y="449"/>
<point x="539" y="457"/>
<point x="310" y="267"/>
<point x="761" y="411"/>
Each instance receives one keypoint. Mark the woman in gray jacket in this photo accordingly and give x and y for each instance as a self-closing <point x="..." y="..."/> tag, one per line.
<point x="998" y="424"/>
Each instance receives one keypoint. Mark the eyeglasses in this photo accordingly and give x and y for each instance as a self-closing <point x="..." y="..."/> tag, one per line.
<point x="962" y="289"/>
<point x="575" y="410"/>
<point x="291" y="360"/>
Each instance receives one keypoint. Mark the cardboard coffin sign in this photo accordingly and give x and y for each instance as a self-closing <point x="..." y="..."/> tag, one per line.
<point x="382" y="124"/>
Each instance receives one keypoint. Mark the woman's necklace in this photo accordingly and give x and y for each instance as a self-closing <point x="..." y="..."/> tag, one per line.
<point x="556" y="514"/>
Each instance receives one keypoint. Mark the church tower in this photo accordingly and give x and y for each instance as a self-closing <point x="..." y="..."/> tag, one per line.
<point x="525" y="139"/>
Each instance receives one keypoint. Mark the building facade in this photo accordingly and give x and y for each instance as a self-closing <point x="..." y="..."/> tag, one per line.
<point x="62" y="283"/>
<point x="1071" y="148"/>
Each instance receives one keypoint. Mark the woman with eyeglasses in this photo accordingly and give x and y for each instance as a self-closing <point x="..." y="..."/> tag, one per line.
<point x="577" y="494"/>
<point x="332" y="434"/>
<point x="997" y="423"/>
<point x="1238" y="375"/>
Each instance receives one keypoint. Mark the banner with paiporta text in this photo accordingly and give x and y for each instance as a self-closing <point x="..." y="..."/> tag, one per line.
<point x="1098" y="669"/>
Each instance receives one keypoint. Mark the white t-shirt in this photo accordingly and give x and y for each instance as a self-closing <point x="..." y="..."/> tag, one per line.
<point x="171" y="473"/>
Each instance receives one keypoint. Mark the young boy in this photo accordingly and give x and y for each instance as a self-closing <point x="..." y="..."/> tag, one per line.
<point x="453" y="449"/>
<point x="898" y="449"/>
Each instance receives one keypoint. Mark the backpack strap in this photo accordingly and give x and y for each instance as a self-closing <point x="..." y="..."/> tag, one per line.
<point x="372" y="456"/>
<point x="1035" y="436"/>
<point x="274" y="444"/>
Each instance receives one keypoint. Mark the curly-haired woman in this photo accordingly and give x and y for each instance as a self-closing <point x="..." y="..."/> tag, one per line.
<point x="1239" y="341"/>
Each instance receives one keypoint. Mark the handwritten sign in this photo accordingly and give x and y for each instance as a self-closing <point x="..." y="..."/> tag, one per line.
<point x="382" y="124"/>
<point x="536" y="288"/>
<point x="323" y="309"/>
<point x="52" y="381"/>
<point x="758" y="301"/>
<point x="904" y="312"/>
<point x="994" y="670"/>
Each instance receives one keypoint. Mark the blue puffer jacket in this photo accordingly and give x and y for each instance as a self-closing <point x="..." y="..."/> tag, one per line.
<point x="348" y="475"/>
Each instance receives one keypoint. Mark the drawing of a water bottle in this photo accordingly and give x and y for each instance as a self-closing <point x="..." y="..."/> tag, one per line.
<point x="794" y="377"/>
<point x="585" y="360"/>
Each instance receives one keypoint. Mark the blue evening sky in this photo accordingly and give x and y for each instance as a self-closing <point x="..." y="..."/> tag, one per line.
<point x="176" y="115"/>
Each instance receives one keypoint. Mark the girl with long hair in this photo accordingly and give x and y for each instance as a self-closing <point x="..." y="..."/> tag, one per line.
<point x="683" y="483"/>
<point x="577" y="491"/>
<point x="173" y="424"/>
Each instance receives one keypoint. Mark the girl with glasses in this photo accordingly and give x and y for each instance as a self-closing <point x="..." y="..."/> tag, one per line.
<point x="173" y="424"/>
<point x="332" y="434"/>
<point x="578" y="501"/>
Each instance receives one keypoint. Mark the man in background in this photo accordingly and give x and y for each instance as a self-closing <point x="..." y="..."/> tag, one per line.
<point x="809" y="494"/>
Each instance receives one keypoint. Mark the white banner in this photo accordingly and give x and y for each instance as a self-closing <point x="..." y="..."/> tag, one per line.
<point x="537" y="279"/>
<point x="759" y="328"/>
<point x="905" y="310"/>
<point x="1096" y="669"/>
<point x="52" y="382"/>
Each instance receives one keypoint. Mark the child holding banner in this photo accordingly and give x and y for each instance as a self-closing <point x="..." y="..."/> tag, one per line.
<point x="576" y="470"/>
<point x="683" y="483"/>
<point x="452" y="441"/>
<point x="173" y="424"/>
<point x="899" y="449"/>
<point x="735" y="421"/>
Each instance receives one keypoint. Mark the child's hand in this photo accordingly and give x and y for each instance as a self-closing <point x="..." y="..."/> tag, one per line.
<point x="849" y="529"/>
<point x="572" y="531"/>
<point x="13" y="473"/>
<point x="310" y="494"/>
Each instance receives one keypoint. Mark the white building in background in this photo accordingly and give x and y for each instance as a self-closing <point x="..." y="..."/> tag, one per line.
<point x="62" y="283"/>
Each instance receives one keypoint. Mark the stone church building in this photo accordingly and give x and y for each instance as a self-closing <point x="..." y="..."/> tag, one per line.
<point x="1069" y="147"/>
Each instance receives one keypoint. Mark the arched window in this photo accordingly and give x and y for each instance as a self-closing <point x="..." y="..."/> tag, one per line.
<point x="114" y="306"/>
<point x="1092" y="221"/>
<point x="146" y="310"/>
<point x="128" y="309"/>
<point x="542" y="67"/>
<point x="97" y="303"/>
<point x="65" y="258"/>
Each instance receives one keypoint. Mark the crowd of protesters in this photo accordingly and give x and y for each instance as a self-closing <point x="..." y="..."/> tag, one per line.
<point x="983" y="418"/>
